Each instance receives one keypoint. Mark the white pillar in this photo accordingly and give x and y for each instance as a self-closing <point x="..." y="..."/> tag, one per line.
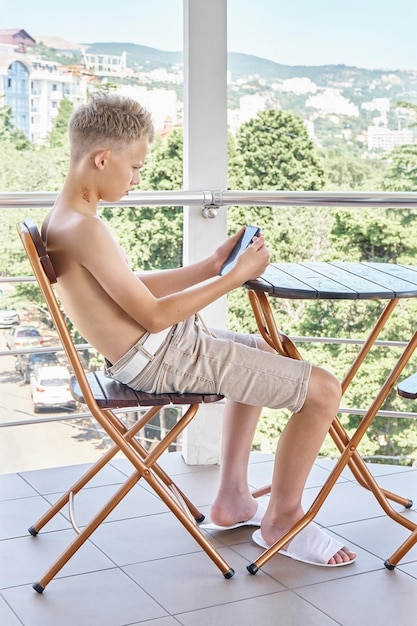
<point x="205" y="167"/>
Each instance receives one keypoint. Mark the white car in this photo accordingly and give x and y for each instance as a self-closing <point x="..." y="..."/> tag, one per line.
<point x="50" y="389"/>
<point x="23" y="337"/>
<point x="8" y="318"/>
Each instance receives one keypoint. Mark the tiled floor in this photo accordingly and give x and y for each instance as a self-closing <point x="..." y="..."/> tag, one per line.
<point x="142" y="567"/>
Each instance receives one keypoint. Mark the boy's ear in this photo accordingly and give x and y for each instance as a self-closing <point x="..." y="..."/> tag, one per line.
<point x="101" y="158"/>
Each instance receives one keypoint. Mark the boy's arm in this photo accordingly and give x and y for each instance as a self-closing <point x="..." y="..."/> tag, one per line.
<point x="164" y="282"/>
<point x="97" y="251"/>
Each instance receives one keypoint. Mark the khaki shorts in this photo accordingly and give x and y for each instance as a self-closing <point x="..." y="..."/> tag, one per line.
<point x="195" y="360"/>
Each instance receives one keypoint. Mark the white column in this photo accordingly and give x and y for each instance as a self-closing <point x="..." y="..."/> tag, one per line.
<point x="205" y="167"/>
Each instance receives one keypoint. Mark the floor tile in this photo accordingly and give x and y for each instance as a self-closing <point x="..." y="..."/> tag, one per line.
<point x="108" y="598"/>
<point x="7" y="616"/>
<point x="190" y="483"/>
<point x="163" y="621"/>
<point x="60" y="479"/>
<point x="25" y="560"/>
<point x="386" y="598"/>
<point x="401" y="483"/>
<point x="380" y="536"/>
<point x="88" y="502"/>
<point x="408" y="568"/>
<point x="142" y="567"/>
<point x="172" y="463"/>
<point x="144" y="538"/>
<point x="200" y="581"/>
<point x="13" y="486"/>
<point x="17" y="515"/>
<point x="276" y="608"/>
<point x="346" y="502"/>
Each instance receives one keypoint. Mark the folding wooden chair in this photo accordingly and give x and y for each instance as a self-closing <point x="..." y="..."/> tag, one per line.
<point x="102" y="395"/>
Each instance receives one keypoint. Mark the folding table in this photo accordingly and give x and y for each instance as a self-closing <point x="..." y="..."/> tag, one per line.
<point x="339" y="281"/>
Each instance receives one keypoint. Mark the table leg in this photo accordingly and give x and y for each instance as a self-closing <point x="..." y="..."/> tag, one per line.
<point x="347" y="446"/>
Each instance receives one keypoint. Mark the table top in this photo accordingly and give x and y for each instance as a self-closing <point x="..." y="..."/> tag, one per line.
<point x="338" y="280"/>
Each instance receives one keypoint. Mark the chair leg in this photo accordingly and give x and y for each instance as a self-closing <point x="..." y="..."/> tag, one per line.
<point x="106" y="458"/>
<point x="147" y="468"/>
<point x="400" y="552"/>
<point x="170" y="501"/>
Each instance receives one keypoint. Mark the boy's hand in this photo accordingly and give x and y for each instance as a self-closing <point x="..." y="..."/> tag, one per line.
<point x="254" y="260"/>
<point x="223" y="252"/>
<point x="251" y="263"/>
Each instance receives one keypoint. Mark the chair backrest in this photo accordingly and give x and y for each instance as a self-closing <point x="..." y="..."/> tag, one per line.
<point x="46" y="277"/>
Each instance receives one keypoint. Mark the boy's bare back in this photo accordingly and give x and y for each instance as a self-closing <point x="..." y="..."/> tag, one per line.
<point x="74" y="241"/>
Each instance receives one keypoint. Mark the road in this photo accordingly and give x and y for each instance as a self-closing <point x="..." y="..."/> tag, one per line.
<point x="36" y="446"/>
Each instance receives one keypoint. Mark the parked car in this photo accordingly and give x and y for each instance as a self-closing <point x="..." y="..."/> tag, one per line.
<point x="8" y="318"/>
<point x="50" y="388"/>
<point x="27" y="363"/>
<point x="23" y="337"/>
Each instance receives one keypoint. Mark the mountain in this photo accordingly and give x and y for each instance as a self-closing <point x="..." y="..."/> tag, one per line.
<point x="244" y="66"/>
<point x="339" y="101"/>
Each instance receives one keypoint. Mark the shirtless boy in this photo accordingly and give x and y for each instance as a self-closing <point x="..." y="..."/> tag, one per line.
<point x="149" y="330"/>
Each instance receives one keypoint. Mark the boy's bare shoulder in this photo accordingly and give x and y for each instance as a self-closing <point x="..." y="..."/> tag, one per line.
<point x="72" y="226"/>
<point x="77" y="237"/>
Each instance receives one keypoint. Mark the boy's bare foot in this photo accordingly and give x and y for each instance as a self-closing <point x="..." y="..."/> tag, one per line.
<point x="236" y="512"/>
<point x="311" y="545"/>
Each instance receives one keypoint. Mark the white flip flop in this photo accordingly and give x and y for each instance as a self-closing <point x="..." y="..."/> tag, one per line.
<point x="312" y="545"/>
<point x="253" y="521"/>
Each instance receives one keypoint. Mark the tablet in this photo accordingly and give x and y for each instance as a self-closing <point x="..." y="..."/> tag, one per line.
<point x="244" y="241"/>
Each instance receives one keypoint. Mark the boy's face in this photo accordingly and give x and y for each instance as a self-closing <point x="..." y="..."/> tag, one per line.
<point x="122" y="170"/>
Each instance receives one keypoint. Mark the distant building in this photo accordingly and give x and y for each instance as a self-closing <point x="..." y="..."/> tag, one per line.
<point x="330" y="101"/>
<point x="33" y="88"/>
<point x="19" y="39"/>
<point x="382" y="138"/>
<point x="298" y="85"/>
<point x="382" y="105"/>
<point x="250" y="107"/>
<point x="106" y="64"/>
<point x="162" y="103"/>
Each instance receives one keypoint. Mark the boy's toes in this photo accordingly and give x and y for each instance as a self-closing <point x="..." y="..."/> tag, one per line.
<point x="342" y="556"/>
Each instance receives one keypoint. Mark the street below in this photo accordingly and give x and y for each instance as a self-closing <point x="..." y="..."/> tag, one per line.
<point x="45" y="444"/>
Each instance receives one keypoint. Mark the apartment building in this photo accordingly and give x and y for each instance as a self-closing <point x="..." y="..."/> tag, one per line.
<point x="382" y="138"/>
<point x="32" y="87"/>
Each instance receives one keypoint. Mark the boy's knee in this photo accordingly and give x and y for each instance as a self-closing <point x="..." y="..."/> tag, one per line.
<point x="325" y="387"/>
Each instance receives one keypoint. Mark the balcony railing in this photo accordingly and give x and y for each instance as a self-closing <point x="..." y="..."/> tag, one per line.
<point x="210" y="202"/>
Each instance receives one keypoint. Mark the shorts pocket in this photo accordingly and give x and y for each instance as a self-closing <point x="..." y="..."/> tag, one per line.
<point x="175" y="380"/>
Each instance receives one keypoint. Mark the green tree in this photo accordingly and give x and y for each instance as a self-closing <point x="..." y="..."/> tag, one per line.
<point x="274" y="152"/>
<point x="58" y="136"/>
<point x="163" y="168"/>
<point x="277" y="153"/>
<point x="402" y="161"/>
<point x="9" y="133"/>
<point x="402" y="169"/>
<point x="346" y="171"/>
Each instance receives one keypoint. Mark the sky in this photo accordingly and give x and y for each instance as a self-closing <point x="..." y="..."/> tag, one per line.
<point x="364" y="33"/>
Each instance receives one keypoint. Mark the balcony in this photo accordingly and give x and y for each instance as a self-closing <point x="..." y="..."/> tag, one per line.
<point x="141" y="566"/>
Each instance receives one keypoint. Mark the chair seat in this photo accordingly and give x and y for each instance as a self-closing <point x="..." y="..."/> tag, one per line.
<point x="111" y="394"/>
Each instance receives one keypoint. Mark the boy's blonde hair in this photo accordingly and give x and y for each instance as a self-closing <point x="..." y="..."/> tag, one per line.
<point x="108" y="120"/>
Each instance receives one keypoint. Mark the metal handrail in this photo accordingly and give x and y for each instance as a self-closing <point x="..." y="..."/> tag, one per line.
<point x="222" y="198"/>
